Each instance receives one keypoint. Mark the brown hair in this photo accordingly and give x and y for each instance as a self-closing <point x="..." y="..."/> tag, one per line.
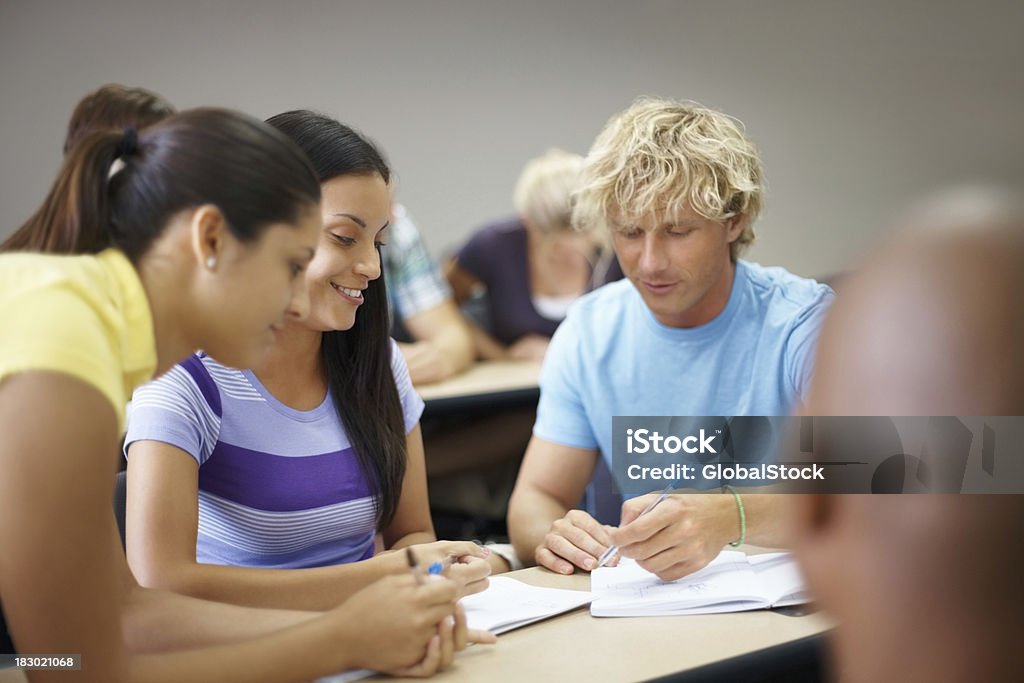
<point x="115" y="106"/>
<point x="253" y="173"/>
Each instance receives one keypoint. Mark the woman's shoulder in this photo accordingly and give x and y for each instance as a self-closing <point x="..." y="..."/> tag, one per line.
<point x="24" y="274"/>
<point x="499" y="234"/>
<point x="399" y="368"/>
<point x="496" y="246"/>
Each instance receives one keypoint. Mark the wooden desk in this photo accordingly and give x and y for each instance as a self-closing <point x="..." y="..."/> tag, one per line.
<point x="578" y="647"/>
<point x="490" y="384"/>
<point x="12" y="676"/>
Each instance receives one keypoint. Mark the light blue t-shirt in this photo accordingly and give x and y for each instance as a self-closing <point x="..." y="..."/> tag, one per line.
<point x="611" y="357"/>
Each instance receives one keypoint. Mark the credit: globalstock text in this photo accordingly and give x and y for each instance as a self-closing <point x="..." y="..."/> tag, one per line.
<point x="718" y="471"/>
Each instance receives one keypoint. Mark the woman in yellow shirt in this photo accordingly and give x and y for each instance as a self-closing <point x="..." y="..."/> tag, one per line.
<point x="191" y="235"/>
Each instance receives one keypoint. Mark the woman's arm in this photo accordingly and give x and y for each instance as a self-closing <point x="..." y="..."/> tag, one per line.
<point x="368" y="631"/>
<point x="59" y="578"/>
<point x="462" y="282"/>
<point x="155" y="620"/>
<point x="443" y="343"/>
<point x="466" y="563"/>
<point x="63" y="580"/>
<point x="412" y="523"/>
<point x="487" y="347"/>
<point x="162" y="528"/>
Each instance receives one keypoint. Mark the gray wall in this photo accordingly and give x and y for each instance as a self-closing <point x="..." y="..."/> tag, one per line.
<point x="857" y="107"/>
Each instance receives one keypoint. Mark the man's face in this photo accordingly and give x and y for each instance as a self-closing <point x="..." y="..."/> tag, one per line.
<point x="679" y="263"/>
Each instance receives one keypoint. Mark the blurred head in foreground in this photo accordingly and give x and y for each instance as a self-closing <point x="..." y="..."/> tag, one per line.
<point x="924" y="587"/>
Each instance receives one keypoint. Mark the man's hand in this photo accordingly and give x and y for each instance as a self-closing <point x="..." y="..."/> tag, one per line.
<point x="576" y="540"/>
<point x="529" y="347"/>
<point x="682" y="534"/>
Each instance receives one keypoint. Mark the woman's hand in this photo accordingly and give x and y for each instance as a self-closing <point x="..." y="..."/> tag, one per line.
<point x="464" y="562"/>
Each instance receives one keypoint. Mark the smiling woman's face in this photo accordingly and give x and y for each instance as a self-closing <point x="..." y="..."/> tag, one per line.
<point x="356" y="210"/>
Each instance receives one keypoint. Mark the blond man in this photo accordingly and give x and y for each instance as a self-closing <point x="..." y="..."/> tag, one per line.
<point x="691" y="330"/>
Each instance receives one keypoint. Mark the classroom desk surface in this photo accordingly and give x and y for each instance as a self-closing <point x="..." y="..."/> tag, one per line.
<point x="577" y="647"/>
<point x="496" y="383"/>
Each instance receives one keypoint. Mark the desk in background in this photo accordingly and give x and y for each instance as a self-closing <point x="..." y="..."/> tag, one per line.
<point x="578" y="647"/>
<point x="475" y="429"/>
<point x="489" y="385"/>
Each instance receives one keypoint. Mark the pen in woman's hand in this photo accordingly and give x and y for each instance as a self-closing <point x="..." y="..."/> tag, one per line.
<point x="414" y="566"/>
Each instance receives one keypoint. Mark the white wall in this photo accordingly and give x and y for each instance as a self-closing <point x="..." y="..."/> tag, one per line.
<point x="856" y="108"/>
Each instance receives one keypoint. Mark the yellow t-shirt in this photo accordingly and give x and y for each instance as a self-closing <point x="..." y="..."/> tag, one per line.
<point x="86" y="316"/>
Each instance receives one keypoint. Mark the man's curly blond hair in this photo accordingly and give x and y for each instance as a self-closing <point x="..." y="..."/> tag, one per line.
<point x="661" y="155"/>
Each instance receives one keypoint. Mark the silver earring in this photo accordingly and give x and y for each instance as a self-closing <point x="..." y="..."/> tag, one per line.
<point x="211" y="262"/>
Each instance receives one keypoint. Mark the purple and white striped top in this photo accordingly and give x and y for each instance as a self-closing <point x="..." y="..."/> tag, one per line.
<point x="278" y="488"/>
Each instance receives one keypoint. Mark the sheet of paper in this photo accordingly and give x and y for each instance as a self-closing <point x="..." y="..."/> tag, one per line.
<point x="509" y="604"/>
<point x="347" y="676"/>
<point x="730" y="583"/>
<point x="783" y="583"/>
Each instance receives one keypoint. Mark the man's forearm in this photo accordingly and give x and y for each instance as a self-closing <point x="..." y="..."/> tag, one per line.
<point x="443" y="346"/>
<point x="762" y="512"/>
<point x="486" y="347"/>
<point x="530" y="516"/>
<point x="456" y="345"/>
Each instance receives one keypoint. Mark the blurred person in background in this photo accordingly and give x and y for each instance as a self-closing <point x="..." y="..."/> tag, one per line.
<point x="431" y="331"/>
<point x="530" y="268"/>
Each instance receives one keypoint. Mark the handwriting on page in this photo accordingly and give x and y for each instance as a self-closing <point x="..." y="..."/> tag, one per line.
<point x="731" y="582"/>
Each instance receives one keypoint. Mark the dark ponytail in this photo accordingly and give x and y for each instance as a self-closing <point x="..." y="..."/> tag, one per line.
<point x="75" y="216"/>
<point x="114" y="107"/>
<point x="358" y="360"/>
<point x="251" y="172"/>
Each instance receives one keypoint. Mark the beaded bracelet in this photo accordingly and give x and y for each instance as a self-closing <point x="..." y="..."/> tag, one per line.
<point x="743" y="516"/>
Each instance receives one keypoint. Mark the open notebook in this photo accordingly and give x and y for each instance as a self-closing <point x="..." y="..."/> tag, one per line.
<point x="732" y="582"/>
<point x="509" y="604"/>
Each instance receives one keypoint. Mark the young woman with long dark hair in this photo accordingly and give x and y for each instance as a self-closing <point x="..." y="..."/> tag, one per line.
<point x="267" y="487"/>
